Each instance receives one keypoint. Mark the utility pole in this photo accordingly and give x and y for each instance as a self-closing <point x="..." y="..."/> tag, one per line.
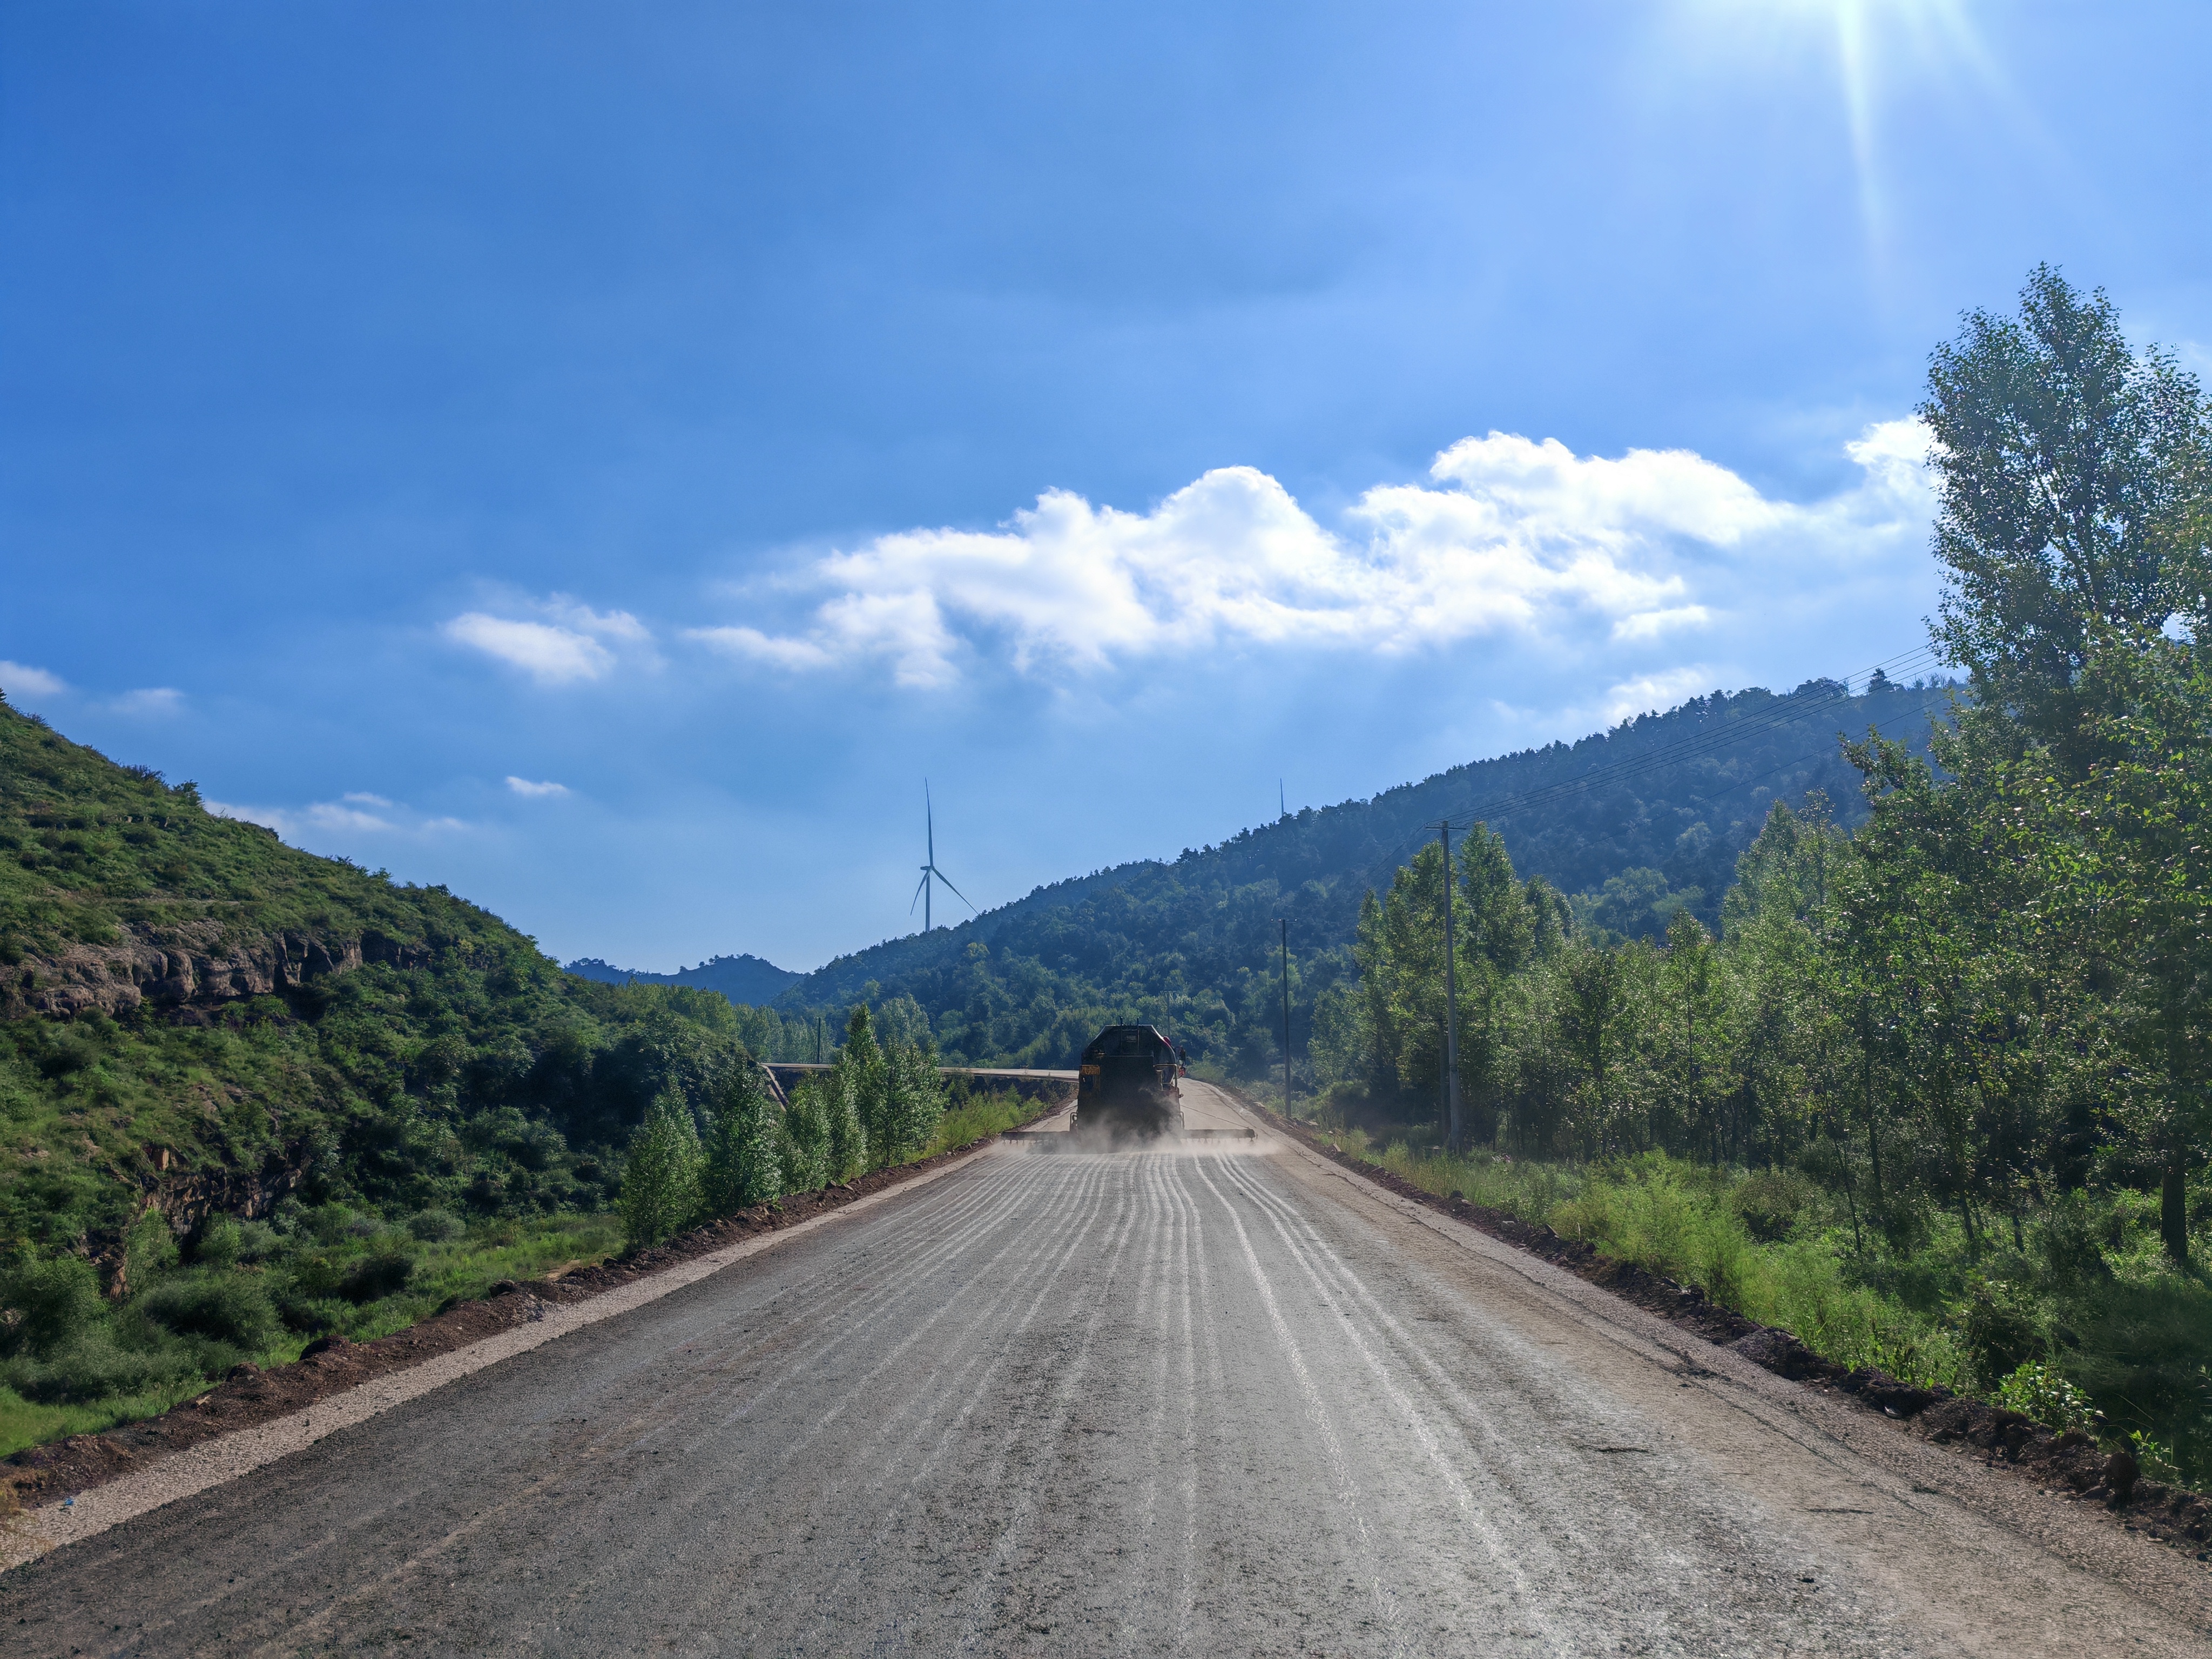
<point x="1451" y="1004"/>
<point x="1286" y="921"/>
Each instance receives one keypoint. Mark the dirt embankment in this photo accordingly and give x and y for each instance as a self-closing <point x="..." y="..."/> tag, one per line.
<point x="331" y="1365"/>
<point x="1997" y="1437"/>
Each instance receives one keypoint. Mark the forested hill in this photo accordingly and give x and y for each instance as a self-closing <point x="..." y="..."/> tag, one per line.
<point x="1636" y="822"/>
<point x="740" y="978"/>
<point x="196" y="1017"/>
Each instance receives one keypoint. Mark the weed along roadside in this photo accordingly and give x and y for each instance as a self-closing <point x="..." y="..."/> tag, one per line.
<point x="333" y="1365"/>
<point x="2053" y="1441"/>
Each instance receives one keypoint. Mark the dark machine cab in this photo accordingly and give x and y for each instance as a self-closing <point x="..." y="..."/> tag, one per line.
<point x="1130" y="1082"/>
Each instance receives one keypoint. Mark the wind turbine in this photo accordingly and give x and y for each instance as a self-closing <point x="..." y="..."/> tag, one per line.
<point x="929" y="870"/>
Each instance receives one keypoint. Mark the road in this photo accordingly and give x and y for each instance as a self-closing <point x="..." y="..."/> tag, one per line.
<point x="1223" y="1399"/>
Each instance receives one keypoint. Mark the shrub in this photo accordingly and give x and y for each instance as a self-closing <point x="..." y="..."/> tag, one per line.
<point x="149" y="1249"/>
<point x="47" y="1303"/>
<point x="660" y="1177"/>
<point x="94" y="1366"/>
<point x="1770" y="1202"/>
<point x="219" y="1305"/>
<point x="379" y="1274"/>
<point x="2001" y="1329"/>
<point x="2035" y="1390"/>
<point x="435" y="1226"/>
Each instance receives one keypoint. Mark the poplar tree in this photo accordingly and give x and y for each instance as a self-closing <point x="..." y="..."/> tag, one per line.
<point x="743" y="1165"/>
<point x="660" y="1174"/>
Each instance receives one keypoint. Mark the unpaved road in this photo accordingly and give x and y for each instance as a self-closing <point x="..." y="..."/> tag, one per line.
<point x="1227" y="1399"/>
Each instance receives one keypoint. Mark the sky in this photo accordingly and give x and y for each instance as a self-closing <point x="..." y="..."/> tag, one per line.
<point x="603" y="458"/>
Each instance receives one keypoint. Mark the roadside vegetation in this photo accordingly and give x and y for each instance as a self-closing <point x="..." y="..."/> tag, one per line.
<point x="1937" y="1094"/>
<point x="249" y="1098"/>
<point x="75" y="1358"/>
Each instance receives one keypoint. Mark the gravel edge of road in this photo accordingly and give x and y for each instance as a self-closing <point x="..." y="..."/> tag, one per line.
<point x="252" y="1398"/>
<point x="1997" y="1439"/>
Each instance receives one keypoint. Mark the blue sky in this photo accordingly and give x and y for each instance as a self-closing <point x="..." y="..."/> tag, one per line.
<point x="603" y="457"/>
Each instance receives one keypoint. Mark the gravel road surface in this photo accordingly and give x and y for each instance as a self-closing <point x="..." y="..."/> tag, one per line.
<point x="1223" y="1399"/>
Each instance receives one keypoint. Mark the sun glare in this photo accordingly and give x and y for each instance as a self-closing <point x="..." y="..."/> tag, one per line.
<point x="1873" y="45"/>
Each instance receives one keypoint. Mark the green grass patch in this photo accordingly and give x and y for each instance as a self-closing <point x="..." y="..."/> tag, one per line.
<point x="966" y="1121"/>
<point x="2085" y="1308"/>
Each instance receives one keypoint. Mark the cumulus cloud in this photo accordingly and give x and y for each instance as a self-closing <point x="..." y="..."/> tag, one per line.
<point x="21" y="679"/>
<point x="354" y="813"/>
<point x="148" y="702"/>
<point x="565" y="642"/>
<point x="1510" y="536"/>
<point x="536" y="790"/>
<point x="1652" y="692"/>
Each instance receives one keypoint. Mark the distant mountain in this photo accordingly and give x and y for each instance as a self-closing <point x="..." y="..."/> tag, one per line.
<point x="1634" y="823"/>
<point x="744" y="979"/>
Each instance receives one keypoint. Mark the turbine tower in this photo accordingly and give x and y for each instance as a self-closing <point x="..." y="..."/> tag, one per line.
<point x="930" y="872"/>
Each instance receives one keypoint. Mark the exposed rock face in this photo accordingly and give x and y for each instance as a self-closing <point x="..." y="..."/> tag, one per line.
<point x="184" y="969"/>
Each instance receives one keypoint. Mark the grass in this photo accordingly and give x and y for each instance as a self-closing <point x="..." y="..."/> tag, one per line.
<point x="978" y="1115"/>
<point x="2087" y="1310"/>
<point x="444" y="1272"/>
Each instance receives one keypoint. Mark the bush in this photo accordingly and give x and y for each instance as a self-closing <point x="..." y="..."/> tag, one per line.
<point x="1770" y="1202"/>
<point x="93" y="1366"/>
<point x="379" y="1274"/>
<point x="2001" y="1329"/>
<point x="47" y="1303"/>
<point x="222" y="1306"/>
<point x="435" y="1226"/>
<point x="660" y="1177"/>
<point x="2037" y="1391"/>
<point x="149" y="1248"/>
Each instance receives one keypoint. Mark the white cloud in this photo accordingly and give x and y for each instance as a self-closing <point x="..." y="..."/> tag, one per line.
<point x="349" y="815"/>
<point x="1652" y="693"/>
<point x="525" y="787"/>
<point x="570" y="645"/>
<point x="148" y="702"/>
<point x="269" y="817"/>
<point x="751" y="643"/>
<point x="21" y="679"/>
<point x="1510" y="537"/>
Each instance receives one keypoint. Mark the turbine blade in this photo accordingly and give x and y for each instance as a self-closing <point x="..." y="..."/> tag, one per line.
<point x="962" y="897"/>
<point x="917" y="899"/>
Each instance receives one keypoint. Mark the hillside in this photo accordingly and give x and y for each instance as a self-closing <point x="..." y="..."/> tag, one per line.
<point x="741" y="978"/>
<point x="195" y="1017"/>
<point x="1633" y="823"/>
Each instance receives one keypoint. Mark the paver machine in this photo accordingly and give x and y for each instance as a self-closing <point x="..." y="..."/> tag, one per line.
<point x="1130" y="1084"/>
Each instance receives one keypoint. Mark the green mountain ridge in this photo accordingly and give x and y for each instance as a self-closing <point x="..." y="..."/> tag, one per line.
<point x="1636" y="823"/>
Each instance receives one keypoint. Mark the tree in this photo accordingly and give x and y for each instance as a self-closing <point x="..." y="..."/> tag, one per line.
<point x="660" y="1176"/>
<point x="743" y="1152"/>
<point x="803" y="1149"/>
<point x="2071" y="477"/>
<point x="914" y="1102"/>
<point x="2123" y="860"/>
<point x="1500" y="935"/>
<point x="864" y="1075"/>
<point x="1592" y="1011"/>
